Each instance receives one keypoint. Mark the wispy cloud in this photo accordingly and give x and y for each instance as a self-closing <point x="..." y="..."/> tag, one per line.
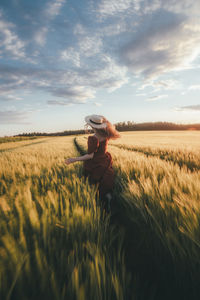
<point x="9" y="97"/>
<point x="157" y="97"/>
<point x="53" y="8"/>
<point x="107" y="8"/>
<point x="47" y="14"/>
<point x="169" y="84"/>
<point x="77" y="93"/>
<point x="86" y="47"/>
<point x="157" y="85"/>
<point x="167" y="42"/>
<point x="10" y="44"/>
<point x="40" y="36"/>
<point x="108" y="74"/>
<point x="14" y="117"/>
<point x="195" y="108"/>
<point x="90" y="45"/>
<point x="59" y="102"/>
<point x="71" y="55"/>
<point x="187" y="7"/>
<point x="75" y="85"/>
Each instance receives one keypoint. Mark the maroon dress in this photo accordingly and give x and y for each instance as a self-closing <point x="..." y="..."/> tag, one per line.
<point x="99" y="168"/>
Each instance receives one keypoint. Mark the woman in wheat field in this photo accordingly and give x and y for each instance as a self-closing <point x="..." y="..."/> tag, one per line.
<point x="98" y="162"/>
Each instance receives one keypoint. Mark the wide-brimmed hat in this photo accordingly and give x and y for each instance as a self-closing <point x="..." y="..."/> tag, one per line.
<point x="96" y="121"/>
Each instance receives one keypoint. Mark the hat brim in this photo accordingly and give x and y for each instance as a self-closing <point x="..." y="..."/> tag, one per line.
<point x="87" y="120"/>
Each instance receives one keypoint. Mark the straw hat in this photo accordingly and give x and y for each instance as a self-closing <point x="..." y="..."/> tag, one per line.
<point x="96" y="121"/>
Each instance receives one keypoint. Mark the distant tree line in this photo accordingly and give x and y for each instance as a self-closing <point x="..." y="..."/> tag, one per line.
<point x="131" y="126"/>
<point x="63" y="133"/>
<point x="124" y="126"/>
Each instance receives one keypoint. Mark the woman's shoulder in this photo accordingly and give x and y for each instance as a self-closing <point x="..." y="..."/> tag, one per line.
<point x="92" y="139"/>
<point x="101" y="139"/>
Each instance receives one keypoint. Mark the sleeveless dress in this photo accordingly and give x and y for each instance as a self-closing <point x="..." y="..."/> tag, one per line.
<point x="99" y="168"/>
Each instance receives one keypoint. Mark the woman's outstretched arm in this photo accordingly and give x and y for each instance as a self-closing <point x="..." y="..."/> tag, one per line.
<point x="80" y="158"/>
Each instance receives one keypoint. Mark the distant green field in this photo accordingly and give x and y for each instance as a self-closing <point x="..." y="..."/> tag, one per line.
<point x="55" y="243"/>
<point x="16" y="139"/>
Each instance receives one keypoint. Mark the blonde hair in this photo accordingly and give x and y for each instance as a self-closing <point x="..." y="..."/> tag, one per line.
<point x="109" y="132"/>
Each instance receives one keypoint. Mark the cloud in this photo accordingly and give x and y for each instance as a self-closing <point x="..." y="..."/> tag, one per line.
<point x="90" y="45"/>
<point x="46" y="15"/>
<point x="107" y="8"/>
<point x="75" y="85"/>
<point x="86" y="47"/>
<point x="167" y="42"/>
<point x="168" y="84"/>
<point x="117" y="28"/>
<point x="9" y="97"/>
<point x="184" y="6"/>
<point x="79" y="29"/>
<point x="157" y="85"/>
<point x="71" y="55"/>
<point x="108" y="74"/>
<point x="58" y="102"/>
<point x="10" y="44"/>
<point x="14" y="117"/>
<point x="157" y="97"/>
<point x="194" y="108"/>
<point x="77" y="94"/>
<point x="10" y="85"/>
<point x="40" y="36"/>
<point x="53" y="8"/>
<point x="188" y="7"/>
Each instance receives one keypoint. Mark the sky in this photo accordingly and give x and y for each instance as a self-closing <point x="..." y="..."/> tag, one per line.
<point x="129" y="60"/>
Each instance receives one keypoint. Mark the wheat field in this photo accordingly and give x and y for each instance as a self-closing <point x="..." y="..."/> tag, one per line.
<point x="57" y="244"/>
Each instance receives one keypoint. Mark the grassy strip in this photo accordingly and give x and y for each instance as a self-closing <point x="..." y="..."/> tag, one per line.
<point x="80" y="148"/>
<point x="16" y="139"/>
<point x="182" y="158"/>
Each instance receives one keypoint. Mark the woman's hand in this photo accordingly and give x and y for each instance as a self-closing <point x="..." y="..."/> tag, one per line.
<point x="70" y="160"/>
